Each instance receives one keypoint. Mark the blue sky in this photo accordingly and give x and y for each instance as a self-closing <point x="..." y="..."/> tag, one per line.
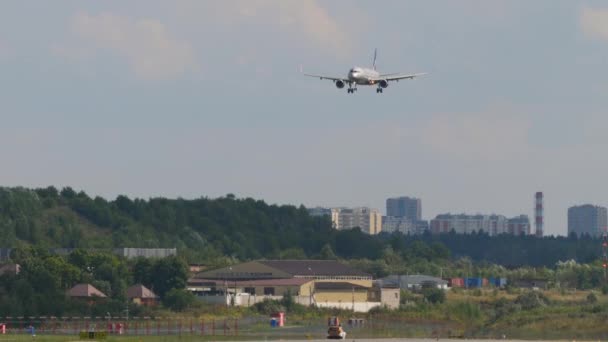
<point x="190" y="98"/>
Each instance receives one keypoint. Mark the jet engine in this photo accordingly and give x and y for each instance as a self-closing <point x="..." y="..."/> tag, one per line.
<point x="383" y="83"/>
<point x="339" y="84"/>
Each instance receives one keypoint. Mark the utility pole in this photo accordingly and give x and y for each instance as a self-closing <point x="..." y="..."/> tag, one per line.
<point x="311" y="288"/>
<point x="605" y="253"/>
<point x="353" y="299"/>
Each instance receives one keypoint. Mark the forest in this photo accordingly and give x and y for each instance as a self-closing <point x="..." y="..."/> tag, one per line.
<point x="41" y="285"/>
<point x="229" y="229"/>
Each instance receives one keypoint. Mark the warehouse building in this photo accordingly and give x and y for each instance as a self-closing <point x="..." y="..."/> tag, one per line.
<point x="323" y="283"/>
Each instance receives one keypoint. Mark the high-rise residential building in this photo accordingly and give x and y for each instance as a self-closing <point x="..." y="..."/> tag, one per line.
<point x="408" y="207"/>
<point x="392" y="224"/>
<point x="489" y="224"/>
<point x="519" y="225"/>
<point x="421" y="226"/>
<point x="587" y="220"/>
<point x="368" y="219"/>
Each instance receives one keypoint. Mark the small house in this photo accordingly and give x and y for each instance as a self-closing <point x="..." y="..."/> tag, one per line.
<point x="141" y="295"/>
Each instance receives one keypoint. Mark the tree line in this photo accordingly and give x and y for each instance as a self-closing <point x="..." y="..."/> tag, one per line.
<point x="228" y="229"/>
<point x="40" y="288"/>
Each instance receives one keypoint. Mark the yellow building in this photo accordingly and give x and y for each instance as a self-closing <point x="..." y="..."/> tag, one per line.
<point x="368" y="219"/>
<point x="311" y="282"/>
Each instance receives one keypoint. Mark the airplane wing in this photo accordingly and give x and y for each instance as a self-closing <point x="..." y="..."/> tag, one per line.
<point x="398" y="76"/>
<point x="321" y="77"/>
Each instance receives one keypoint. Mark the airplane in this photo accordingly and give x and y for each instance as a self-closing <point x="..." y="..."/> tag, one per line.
<point x="365" y="76"/>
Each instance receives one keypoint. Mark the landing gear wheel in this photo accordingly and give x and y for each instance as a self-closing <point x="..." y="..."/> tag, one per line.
<point x="379" y="90"/>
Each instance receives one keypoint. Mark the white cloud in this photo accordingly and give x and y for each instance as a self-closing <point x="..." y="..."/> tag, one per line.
<point x="315" y="22"/>
<point x="487" y="136"/>
<point x="306" y="22"/>
<point x="594" y="22"/>
<point x="151" y="51"/>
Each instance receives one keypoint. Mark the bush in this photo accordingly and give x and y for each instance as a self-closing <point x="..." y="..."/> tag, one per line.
<point x="465" y="311"/>
<point x="434" y="295"/>
<point x="591" y="298"/>
<point x="406" y="297"/>
<point x="531" y="300"/>
<point x="605" y="289"/>
<point x="457" y="290"/>
<point x="512" y="289"/>
<point x="178" y="299"/>
<point x="269" y="306"/>
<point x="503" y="308"/>
<point x="290" y="305"/>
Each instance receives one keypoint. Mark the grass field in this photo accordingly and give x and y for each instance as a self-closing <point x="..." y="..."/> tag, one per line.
<point x="486" y="314"/>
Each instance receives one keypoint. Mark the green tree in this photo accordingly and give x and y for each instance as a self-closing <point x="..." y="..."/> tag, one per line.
<point x="178" y="299"/>
<point x="327" y="253"/>
<point x="169" y="273"/>
<point x="142" y="271"/>
<point x="434" y="295"/>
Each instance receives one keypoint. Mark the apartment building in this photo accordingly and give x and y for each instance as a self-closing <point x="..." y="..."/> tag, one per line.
<point x="489" y="224"/>
<point x="408" y="207"/>
<point x="587" y="220"/>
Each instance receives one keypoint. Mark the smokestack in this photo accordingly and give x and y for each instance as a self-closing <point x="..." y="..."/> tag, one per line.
<point x="538" y="214"/>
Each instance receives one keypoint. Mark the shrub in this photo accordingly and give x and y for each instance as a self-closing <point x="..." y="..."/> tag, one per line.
<point x="290" y="305"/>
<point x="591" y="298"/>
<point x="465" y="311"/>
<point x="531" y="300"/>
<point x="434" y="295"/>
<point x="406" y="297"/>
<point x="178" y="299"/>
<point x="269" y="306"/>
<point x="512" y="290"/>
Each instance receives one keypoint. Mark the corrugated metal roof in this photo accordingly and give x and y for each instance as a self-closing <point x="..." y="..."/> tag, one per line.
<point x="243" y="283"/>
<point x="338" y="285"/>
<point x="309" y="268"/>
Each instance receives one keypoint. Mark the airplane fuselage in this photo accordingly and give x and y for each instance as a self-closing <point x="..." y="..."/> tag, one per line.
<point x="363" y="76"/>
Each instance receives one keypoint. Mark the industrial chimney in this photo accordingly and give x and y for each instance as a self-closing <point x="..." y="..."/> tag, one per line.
<point x="538" y="214"/>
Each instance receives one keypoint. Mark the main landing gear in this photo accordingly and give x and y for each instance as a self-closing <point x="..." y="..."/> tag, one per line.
<point x="351" y="90"/>
<point x="379" y="90"/>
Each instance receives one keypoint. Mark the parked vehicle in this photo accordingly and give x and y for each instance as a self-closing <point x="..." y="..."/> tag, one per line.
<point x="335" y="330"/>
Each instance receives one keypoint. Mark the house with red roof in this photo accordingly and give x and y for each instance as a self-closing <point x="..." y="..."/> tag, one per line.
<point x="141" y="295"/>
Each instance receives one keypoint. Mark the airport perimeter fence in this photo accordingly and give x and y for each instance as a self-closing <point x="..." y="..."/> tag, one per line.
<point x="242" y="327"/>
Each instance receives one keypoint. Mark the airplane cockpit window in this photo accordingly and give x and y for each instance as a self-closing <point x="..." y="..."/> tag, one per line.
<point x="352" y="70"/>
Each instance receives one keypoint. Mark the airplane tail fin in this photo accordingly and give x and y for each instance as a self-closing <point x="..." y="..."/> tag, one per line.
<point x="375" y="55"/>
